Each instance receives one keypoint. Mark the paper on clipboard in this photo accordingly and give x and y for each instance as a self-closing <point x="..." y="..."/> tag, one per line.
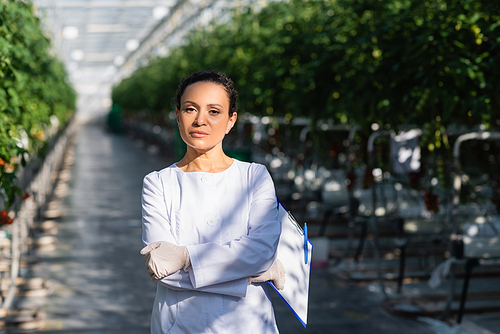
<point x="291" y="253"/>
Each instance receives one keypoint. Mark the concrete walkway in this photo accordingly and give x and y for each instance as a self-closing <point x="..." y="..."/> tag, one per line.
<point x="100" y="283"/>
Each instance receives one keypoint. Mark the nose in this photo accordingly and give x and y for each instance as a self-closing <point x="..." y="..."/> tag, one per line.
<point x="200" y="119"/>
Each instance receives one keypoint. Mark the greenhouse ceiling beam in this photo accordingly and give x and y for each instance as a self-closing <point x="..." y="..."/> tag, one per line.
<point x="169" y="32"/>
<point x="105" y="4"/>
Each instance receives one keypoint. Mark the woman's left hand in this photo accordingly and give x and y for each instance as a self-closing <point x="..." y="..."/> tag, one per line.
<point x="163" y="258"/>
<point x="276" y="274"/>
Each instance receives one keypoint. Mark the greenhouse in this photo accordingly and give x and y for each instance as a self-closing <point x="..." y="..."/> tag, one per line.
<point x="157" y="138"/>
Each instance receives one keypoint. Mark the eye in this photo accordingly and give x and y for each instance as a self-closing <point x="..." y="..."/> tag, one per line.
<point x="214" y="112"/>
<point x="190" y="110"/>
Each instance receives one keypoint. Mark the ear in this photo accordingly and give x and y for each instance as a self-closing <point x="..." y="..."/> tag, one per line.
<point x="177" y="115"/>
<point x="231" y="122"/>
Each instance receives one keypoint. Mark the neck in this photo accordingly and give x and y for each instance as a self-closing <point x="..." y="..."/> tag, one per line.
<point x="212" y="161"/>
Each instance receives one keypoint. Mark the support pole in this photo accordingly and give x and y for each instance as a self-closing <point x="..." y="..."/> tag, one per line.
<point x="402" y="259"/>
<point x="374" y="225"/>
<point x="353" y="202"/>
<point x="469" y="266"/>
<point x="457" y="184"/>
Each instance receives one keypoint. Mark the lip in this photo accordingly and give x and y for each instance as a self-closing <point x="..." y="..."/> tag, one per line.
<point x="198" y="134"/>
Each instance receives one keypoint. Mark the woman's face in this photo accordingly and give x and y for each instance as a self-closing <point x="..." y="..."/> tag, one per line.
<point x="203" y="117"/>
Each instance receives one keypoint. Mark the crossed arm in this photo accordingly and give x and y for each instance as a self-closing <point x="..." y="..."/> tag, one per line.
<point x="217" y="268"/>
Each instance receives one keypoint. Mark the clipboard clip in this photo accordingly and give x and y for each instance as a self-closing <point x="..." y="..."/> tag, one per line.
<point x="302" y="232"/>
<point x="306" y="249"/>
<point x="294" y="222"/>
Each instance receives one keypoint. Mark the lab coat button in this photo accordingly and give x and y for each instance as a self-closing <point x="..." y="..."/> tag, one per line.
<point x="210" y="222"/>
<point x="204" y="179"/>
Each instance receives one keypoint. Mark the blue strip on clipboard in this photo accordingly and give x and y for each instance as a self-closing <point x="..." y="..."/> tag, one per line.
<point x="295" y="253"/>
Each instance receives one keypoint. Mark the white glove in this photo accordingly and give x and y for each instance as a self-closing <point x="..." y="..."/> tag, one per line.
<point x="276" y="274"/>
<point x="163" y="258"/>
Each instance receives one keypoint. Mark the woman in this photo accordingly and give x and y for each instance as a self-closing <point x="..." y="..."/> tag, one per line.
<point x="210" y="224"/>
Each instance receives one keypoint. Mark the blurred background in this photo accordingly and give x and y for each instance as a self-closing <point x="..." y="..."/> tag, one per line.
<point x="378" y="120"/>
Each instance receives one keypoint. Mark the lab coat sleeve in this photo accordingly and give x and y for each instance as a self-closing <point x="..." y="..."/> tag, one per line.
<point x="249" y="255"/>
<point x="156" y="227"/>
<point x="181" y="281"/>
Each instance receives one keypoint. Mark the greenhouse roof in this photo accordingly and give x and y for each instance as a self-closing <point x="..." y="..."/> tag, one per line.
<point x="102" y="41"/>
<point x="97" y="33"/>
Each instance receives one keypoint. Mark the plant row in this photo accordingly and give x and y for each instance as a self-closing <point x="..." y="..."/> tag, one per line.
<point x="400" y="64"/>
<point x="396" y="63"/>
<point x="35" y="96"/>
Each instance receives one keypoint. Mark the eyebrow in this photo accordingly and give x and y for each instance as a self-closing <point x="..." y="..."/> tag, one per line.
<point x="210" y="104"/>
<point x="215" y="105"/>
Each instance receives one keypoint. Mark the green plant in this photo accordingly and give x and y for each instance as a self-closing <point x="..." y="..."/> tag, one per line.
<point x="34" y="91"/>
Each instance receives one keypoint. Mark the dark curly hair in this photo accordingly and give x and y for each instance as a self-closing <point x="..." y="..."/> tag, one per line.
<point x="210" y="76"/>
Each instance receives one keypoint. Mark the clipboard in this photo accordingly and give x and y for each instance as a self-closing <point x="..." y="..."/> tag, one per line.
<point x="297" y="262"/>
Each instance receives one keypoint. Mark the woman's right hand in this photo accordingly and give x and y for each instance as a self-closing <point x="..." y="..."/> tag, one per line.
<point x="276" y="274"/>
<point x="163" y="258"/>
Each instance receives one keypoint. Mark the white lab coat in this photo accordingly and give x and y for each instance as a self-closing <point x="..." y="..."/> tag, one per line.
<point x="230" y="225"/>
